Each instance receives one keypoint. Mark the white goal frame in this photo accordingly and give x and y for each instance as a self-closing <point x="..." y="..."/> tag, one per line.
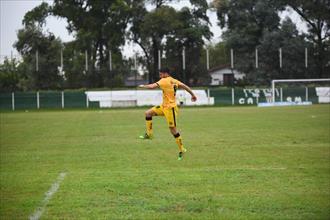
<point x="293" y="80"/>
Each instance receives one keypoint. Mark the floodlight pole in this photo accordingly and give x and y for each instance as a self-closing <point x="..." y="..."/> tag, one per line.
<point x="86" y="61"/>
<point x="110" y="60"/>
<point x="256" y="54"/>
<point x="62" y="94"/>
<point x="159" y="60"/>
<point x="61" y="59"/>
<point x="184" y="64"/>
<point x="37" y="60"/>
<point x="13" y="101"/>
<point x="207" y="59"/>
<point x="232" y="58"/>
<point x="135" y="70"/>
<point x="38" y="100"/>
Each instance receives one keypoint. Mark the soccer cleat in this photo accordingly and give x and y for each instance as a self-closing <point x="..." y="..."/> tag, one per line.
<point x="145" y="136"/>
<point x="180" y="157"/>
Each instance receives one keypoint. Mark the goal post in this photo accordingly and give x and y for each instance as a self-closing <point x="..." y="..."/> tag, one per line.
<point x="293" y="80"/>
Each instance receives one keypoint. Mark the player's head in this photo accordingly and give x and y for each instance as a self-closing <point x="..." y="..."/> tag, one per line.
<point x="164" y="72"/>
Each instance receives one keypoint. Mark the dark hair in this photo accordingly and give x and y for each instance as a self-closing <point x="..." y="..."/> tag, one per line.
<point x="164" y="70"/>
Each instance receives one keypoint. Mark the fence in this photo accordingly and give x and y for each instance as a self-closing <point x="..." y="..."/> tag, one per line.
<point x="222" y="96"/>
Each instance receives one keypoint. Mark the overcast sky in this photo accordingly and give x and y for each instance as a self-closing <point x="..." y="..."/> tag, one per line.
<point x="11" y="15"/>
<point x="13" y="11"/>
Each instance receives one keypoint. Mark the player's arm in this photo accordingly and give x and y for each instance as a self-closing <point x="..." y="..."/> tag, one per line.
<point x="187" y="88"/>
<point x="149" y="86"/>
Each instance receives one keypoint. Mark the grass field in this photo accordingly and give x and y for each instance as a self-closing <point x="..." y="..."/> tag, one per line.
<point x="242" y="163"/>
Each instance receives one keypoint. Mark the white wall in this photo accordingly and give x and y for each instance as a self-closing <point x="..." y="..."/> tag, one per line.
<point x="323" y="94"/>
<point x="126" y="98"/>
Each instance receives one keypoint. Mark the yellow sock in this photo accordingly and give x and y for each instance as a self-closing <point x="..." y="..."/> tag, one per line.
<point x="178" y="141"/>
<point x="149" y="126"/>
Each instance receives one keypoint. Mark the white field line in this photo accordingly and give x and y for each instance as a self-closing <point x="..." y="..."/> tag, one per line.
<point x="211" y="169"/>
<point x="48" y="195"/>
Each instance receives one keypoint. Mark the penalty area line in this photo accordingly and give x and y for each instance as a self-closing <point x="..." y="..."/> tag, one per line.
<point x="48" y="195"/>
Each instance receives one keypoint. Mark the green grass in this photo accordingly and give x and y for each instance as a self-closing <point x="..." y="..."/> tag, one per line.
<point x="242" y="163"/>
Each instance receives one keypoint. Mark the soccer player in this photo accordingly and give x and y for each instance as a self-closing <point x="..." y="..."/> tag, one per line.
<point x="168" y="108"/>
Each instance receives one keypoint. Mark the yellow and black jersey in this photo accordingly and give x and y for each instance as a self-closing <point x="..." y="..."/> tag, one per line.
<point x="169" y="86"/>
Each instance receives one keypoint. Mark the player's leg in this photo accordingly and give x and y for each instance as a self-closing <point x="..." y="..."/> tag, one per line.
<point x="149" y="113"/>
<point x="178" y="140"/>
<point x="171" y="117"/>
<point x="154" y="111"/>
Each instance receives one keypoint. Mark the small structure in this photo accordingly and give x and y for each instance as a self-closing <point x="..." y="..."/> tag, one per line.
<point x="224" y="75"/>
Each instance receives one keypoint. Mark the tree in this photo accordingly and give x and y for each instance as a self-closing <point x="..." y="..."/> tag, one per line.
<point x="9" y="75"/>
<point x="218" y="55"/>
<point x="256" y="24"/>
<point x="30" y="41"/>
<point x="164" y="28"/>
<point x="74" y="66"/>
<point x="148" y="31"/>
<point x="190" y="37"/>
<point x="99" y="27"/>
<point x="37" y="16"/>
<point x="316" y="14"/>
<point x="293" y="47"/>
<point x="34" y="44"/>
<point x="246" y="20"/>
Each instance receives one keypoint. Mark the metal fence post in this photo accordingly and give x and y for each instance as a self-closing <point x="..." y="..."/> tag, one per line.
<point x="306" y="94"/>
<point x="62" y="99"/>
<point x="232" y="96"/>
<point x="13" y="101"/>
<point x="38" y="101"/>
<point x="87" y="103"/>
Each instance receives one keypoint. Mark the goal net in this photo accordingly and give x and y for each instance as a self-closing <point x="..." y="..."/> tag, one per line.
<point x="298" y="92"/>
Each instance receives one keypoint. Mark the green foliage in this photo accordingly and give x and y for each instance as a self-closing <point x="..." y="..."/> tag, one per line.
<point x="38" y="15"/>
<point x="317" y="16"/>
<point x="247" y="22"/>
<point x="256" y="24"/>
<point x="219" y="55"/>
<point x="40" y="52"/>
<point x="99" y="27"/>
<point x="32" y="40"/>
<point x="9" y="76"/>
<point x="103" y="26"/>
<point x="293" y="53"/>
<point x="74" y="66"/>
<point x="191" y="38"/>
<point x="150" y="30"/>
<point x="171" y="30"/>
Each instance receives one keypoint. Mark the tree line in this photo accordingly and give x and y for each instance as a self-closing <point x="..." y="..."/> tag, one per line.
<point x="100" y="28"/>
